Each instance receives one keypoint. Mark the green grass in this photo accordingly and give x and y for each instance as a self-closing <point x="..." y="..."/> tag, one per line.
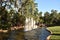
<point x="55" y="30"/>
<point x="55" y="37"/>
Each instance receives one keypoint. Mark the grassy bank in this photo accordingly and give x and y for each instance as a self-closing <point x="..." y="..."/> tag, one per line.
<point x="55" y="29"/>
<point x="55" y="32"/>
<point x="55" y="37"/>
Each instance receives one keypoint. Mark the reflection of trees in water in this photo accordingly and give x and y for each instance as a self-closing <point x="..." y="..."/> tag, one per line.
<point x="36" y="34"/>
<point x="3" y="36"/>
<point x="16" y="35"/>
<point x="44" y="33"/>
<point x="39" y="34"/>
<point x="12" y="35"/>
<point x="0" y="36"/>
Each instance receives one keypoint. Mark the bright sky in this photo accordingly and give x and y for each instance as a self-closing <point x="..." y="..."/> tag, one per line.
<point x="47" y="5"/>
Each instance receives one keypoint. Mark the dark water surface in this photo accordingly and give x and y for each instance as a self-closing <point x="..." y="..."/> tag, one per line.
<point x="36" y="34"/>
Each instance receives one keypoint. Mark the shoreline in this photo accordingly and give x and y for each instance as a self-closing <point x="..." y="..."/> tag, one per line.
<point x="48" y="38"/>
<point x="12" y="28"/>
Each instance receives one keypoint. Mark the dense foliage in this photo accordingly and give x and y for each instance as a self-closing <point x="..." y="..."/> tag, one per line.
<point x="8" y="19"/>
<point x="51" y="18"/>
<point x="14" y="12"/>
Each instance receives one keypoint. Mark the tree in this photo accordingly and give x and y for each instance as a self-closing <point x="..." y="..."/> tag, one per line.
<point x="53" y="16"/>
<point x="18" y="20"/>
<point x="46" y="18"/>
<point x="18" y="11"/>
<point x="3" y="18"/>
<point x="36" y="17"/>
<point x="7" y="17"/>
<point x="40" y="17"/>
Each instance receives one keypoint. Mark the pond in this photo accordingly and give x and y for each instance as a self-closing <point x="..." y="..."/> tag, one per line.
<point x="35" y="34"/>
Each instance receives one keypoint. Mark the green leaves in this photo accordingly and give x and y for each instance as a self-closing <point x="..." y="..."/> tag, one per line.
<point x="8" y="19"/>
<point x="25" y="8"/>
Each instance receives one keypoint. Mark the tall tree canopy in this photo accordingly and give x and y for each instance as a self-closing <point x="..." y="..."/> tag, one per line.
<point x="14" y="12"/>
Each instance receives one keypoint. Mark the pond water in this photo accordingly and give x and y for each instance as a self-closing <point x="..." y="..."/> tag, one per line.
<point x="36" y="34"/>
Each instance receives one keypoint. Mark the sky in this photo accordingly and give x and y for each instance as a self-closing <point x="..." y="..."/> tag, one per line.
<point x="48" y="5"/>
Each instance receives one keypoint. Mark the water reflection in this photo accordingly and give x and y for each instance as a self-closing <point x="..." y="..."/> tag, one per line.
<point x="36" y="34"/>
<point x="12" y="35"/>
<point x="16" y="35"/>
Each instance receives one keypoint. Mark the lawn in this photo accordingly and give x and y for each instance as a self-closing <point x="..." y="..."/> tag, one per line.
<point x="56" y="31"/>
<point x="55" y="37"/>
